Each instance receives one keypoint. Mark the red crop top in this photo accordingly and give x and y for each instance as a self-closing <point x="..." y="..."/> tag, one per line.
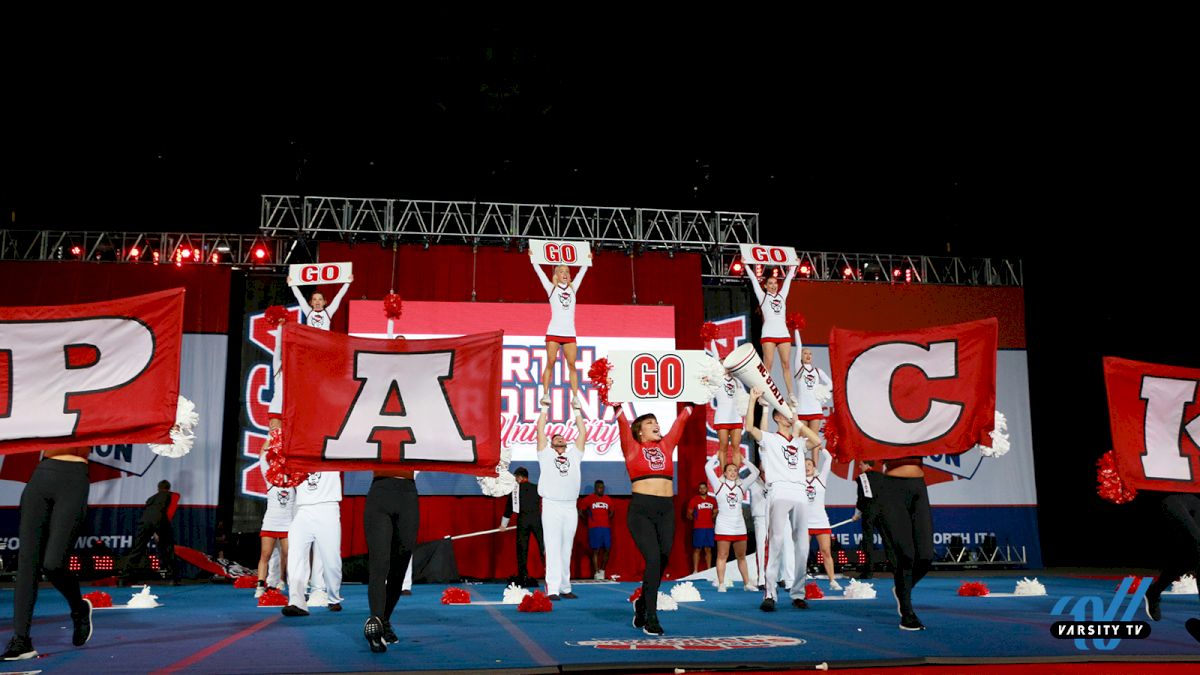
<point x="651" y="459"/>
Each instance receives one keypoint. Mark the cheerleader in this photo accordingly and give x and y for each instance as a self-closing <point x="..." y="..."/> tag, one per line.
<point x="806" y="377"/>
<point x="1181" y="512"/>
<point x="317" y="314"/>
<point x="391" y="518"/>
<point x="651" y="510"/>
<point x="772" y="302"/>
<point x="906" y="522"/>
<point x="815" y="487"/>
<point x="561" y="331"/>
<point x="730" y="491"/>
<point x="281" y="508"/>
<point x="727" y="420"/>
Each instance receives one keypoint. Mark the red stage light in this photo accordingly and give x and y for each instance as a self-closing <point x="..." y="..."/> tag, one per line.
<point x="186" y="253"/>
<point x="847" y="272"/>
<point x="134" y="252"/>
<point x="805" y="269"/>
<point x="260" y="253"/>
<point x="76" y="251"/>
<point x="73" y="564"/>
<point x="216" y="258"/>
<point x="155" y="256"/>
<point x="737" y="267"/>
<point x="896" y="272"/>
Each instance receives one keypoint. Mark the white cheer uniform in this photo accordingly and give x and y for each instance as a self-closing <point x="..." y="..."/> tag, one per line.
<point x="281" y="503"/>
<point x="724" y="405"/>
<point x="729" y="495"/>
<point x="781" y="561"/>
<point x="787" y="509"/>
<point x="318" y="523"/>
<point x="324" y="318"/>
<point x="558" y="486"/>
<point x="773" y="305"/>
<point x="562" y="303"/>
<point x="805" y="381"/>
<point x="814" y="490"/>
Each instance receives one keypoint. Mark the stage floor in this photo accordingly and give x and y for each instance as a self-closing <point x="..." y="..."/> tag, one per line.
<point x="218" y="629"/>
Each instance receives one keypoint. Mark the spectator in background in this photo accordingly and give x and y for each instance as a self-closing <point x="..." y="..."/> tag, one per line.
<point x="527" y="505"/>
<point x="597" y="512"/>
<point x="702" y="511"/>
<point x="156" y="520"/>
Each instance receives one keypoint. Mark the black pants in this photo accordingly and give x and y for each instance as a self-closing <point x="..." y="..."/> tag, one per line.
<point x="390" y="521"/>
<point x="652" y="524"/>
<point x="867" y="546"/>
<point x="1182" y="553"/>
<point x="524" y="529"/>
<point x="907" y="526"/>
<point x="53" y="505"/>
<point x="138" y="556"/>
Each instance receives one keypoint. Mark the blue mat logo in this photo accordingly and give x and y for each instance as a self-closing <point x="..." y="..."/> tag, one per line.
<point x="704" y="644"/>
<point x="1100" y="623"/>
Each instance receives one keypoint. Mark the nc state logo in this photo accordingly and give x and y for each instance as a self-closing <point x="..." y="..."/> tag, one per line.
<point x="283" y="496"/>
<point x="564" y="299"/>
<point x="314" y="480"/>
<point x="792" y="456"/>
<point x="811" y="492"/>
<point x="316" y="319"/>
<point x="729" y="386"/>
<point x="562" y="464"/>
<point x="655" y="458"/>
<point x="810" y="379"/>
<point x="776" y="304"/>
<point x="732" y="499"/>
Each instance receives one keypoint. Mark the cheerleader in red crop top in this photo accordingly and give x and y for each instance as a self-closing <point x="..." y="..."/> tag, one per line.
<point x="651" y="510"/>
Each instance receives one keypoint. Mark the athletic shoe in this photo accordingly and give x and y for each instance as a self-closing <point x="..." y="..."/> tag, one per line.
<point x="749" y="587"/>
<point x="576" y="403"/>
<point x="373" y="631"/>
<point x="762" y="587"/>
<point x="911" y="622"/>
<point x="639" y="613"/>
<point x="389" y="635"/>
<point x="554" y="598"/>
<point x="795" y="402"/>
<point x="19" y="649"/>
<point x="600" y="575"/>
<point x="768" y="605"/>
<point x="318" y="598"/>
<point x="569" y="596"/>
<point x="545" y="402"/>
<point x="259" y="590"/>
<point x="835" y="585"/>
<point x="83" y="624"/>
<point x="1153" y="607"/>
<point x="781" y="584"/>
<point x="292" y="610"/>
<point x="799" y="603"/>
<point x="652" y="627"/>
<point x="722" y="588"/>
<point x="335" y="606"/>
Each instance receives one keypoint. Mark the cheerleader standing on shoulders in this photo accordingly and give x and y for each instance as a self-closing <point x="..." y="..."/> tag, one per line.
<point x="730" y="491"/>
<point x="317" y="314"/>
<point x="561" y="331"/>
<point x="772" y="301"/>
<point x="806" y="378"/>
<point x="727" y="420"/>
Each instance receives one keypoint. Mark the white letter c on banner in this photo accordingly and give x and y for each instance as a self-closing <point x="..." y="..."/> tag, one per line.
<point x="869" y="392"/>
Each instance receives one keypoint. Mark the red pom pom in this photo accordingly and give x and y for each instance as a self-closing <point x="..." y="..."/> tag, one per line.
<point x="833" y="439"/>
<point x="275" y="314"/>
<point x="796" y="322"/>
<point x="708" y="332"/>
<point x="99" y="599"/>
<point x="247" y="581"/>
<point x="598" y="374"/>
<point x="538" y="602"/>
<point x="812" y="591"/>
<point x="272" y="598"/>
<point x="393" y="306"/>
<point x="637" y="593"/>
<point x="456" y="596"/>
<point x="277" y="469"/>
<point x="1110" y="486"/>
<point x="973" y="589"/>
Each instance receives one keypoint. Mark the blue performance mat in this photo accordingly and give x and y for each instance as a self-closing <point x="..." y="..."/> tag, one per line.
<point x="219" y="629"/>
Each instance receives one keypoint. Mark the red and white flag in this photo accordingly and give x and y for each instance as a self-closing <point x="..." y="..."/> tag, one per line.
<point x="930" y="391"/>
<point x="360" y="404"/>
<point x="1154" y="411"/>
<point x="94" y="374"/>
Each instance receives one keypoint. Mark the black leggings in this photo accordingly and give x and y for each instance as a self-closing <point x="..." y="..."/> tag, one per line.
<point x="652" y="524"/>
<point x="390" y="521"/>
<point x="53" y="505"/>
<point x="906" y="523"/>
<point x="1182" y="554"/>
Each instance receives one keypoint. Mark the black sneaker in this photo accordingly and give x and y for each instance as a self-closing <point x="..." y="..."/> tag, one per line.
<point x="389" y="635"/>
<point x="19" y="649"/>
<point x="335" y="606"/>
<point x="799" y="603"/>
<point x="911" y="622"/>
<point x="569" y="596"/>
<point x="1153" y="607"/>
<point x="652" y="627"/>
<point x="292" y="610"/>
<point x="768" y="605"/>
<point x="1192" y="626"/>
<point x="866" y="574"/>
<point x="83" y="624"/>
<point x="373" y="631"/>
<point x="639" y="613"/>
<point x="554" y="598"/>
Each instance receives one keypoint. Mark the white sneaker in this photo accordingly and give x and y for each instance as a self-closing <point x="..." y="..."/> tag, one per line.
<point x="722" y="588"/>
<point x="318" y="598"/>
<point x="600" y="575"/>
<point x="835" y="585"/>
<point x="258" y="591"/>
<point x="545" y="402"/>
<point x="748" y="587"/>
<point x="576" y="403"/>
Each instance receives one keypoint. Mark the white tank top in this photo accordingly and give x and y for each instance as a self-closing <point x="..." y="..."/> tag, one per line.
<point x="782" y="459"/>
<point x="562" y="302"/>
<point x="729" y="496"/>
<point x="773" y="305"/>
<point x="814" y="490"/>
<point x="320" y="487"/>
<point x="281" y="504"/>
<point x="806" y="380"/>
<point x="560" y="477"/>
<point x="726" y="410"/>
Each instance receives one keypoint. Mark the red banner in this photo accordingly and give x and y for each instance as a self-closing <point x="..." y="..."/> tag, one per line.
<point x="355" y="404"/>
<point x="1154" y="411"/>
<point x="94" y="374"/>
<point x="930" y="391"/>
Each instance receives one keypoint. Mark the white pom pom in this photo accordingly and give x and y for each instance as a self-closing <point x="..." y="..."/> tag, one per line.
<point x="823" y="394"/>
<point x="1000" y="445"/>
<point x="182" y="432"/>
<point x="859" y="590"/>
<point x="503" y="483"/>
<point x="685" y="591"/>
<point x="666" y="603"/>
<point x="143" y="600"/>
<point x="1029" y="586"/>
<point x="1185" y="585"/>
<point x="712" y="377"/>
<point x="514" y="594"/>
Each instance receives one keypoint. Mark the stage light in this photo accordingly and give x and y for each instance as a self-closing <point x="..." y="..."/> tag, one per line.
<point x="216" y="258"/>
<point x="805" y="270"/>
<point x="154" y="255"/>
<point x="186" y="253"/>
<point x="758" y="271"/>
<point x="736" y="267"/>
<point x="154" y="563"/>
<point x="774" y="272"/>
<point x="847" y="272"/>
<point x="134" y="252"/>
<point x="102" y="563"/>
<point x="896" y="272"/>
<point x="76" y="251"/>
<point x="260" y="253"/>
<point x="73" y="564"/>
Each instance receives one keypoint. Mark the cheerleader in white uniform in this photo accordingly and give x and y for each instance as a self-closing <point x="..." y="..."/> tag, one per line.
<point x="772" y="301"/>
<point x="730" y="491"/>
<point x="281" y="508"/>
<point x="815" y="486"/>
<point x="561" y="331"/>
<point x="318" y="315"/>
<point x="806" y="377"/>
<point x="727" y="420"/>
<point x="781" y="560"/>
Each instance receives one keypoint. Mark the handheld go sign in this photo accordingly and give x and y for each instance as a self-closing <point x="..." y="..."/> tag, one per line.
<point x="549" y="252"/>
<point x="758" y="254"/>
<point x="673" y="375"/>
<point x="318" y="273"/>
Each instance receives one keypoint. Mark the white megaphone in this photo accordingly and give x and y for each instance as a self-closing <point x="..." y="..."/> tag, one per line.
<point x="744" y="364"/>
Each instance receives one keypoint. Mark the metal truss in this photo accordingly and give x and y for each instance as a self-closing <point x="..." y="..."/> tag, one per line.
<point x="253" y="250"/>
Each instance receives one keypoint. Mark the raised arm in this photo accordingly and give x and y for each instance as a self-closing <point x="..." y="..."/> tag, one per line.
<point x="541" y="274"/>
<point x="799" y="345"/>
<point x="825" y="465"/>
<point x="823" y="378"/>
<point x="304" y="307"/>
<point x="629" y="445"/>
<point x="337" y="299"/>
<point x="754" y="285"/>
<point x="811" y="437"/>
<point x="751" y="477"/>
<point x="748" y="424"/>
<point x="787" y="282"/>
<point x="581" y="439"/>
<point x="578" y="280"/>
<point x="541" y="429"/>
<point x="712" y="470"/>
<point x="672" y="438"/>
